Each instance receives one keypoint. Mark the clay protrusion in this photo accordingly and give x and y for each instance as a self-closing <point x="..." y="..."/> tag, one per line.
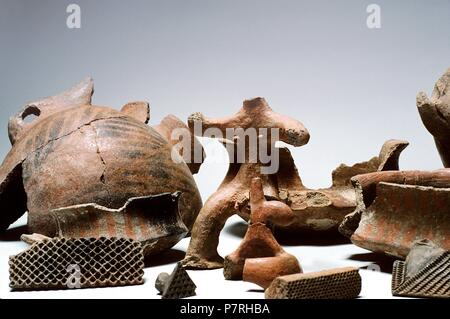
<point x="78" y="95"/>
<point x="139" y="110"/>
<point x="435" y="115"/>
<point x="176" y="132"/>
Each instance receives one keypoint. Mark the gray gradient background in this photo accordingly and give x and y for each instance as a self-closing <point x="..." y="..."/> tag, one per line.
<point x="351" y="86"/>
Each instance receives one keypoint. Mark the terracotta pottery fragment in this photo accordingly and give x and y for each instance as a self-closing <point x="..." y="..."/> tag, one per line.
<point x="314" y="210"/>
<point x="259" y="258"/>
<point x="62" y="263"/>
<point x="75" y="153"/>
<point x="425" y="273"/>
<point x="166" y="128"/>
<point x="176" y="285"/>
<point x="397" y="208"/>
<point x="324" y="209"/>
<point x="435" y="114"/>
<point x="339" y="283"/>
<point x="154" y="221"/>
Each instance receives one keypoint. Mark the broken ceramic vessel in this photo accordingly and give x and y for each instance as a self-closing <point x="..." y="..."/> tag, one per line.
<point x="314" y="210"/>
<point x="397" y="208"/>
<point x="76" y="153"/>
<point x="324" y="209"/>
<point x="154" y="221"/>
<point x="259" y="258"/>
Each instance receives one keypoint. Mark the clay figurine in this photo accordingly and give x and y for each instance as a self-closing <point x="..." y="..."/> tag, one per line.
<point x="259" y="258"/>
<point x="314" y="210"/>
<point x="435" y="114"/>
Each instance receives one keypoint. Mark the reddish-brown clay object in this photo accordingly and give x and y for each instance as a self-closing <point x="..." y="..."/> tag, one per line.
<point x="394" y="209"/>
<point x="171" y="123"/>
<point x="259" y="258"/>
<point x="397" y="208"/>
<point x="435" y="114"/>
<point x="76" y="153"/>
<point x="324" y="209"/>
<point x="317" y="210"/>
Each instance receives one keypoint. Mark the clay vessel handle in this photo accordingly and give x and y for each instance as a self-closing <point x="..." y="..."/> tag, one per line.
<point x="78" y="95"/>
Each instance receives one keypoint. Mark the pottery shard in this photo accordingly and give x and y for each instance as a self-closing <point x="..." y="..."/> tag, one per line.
<point x="324" y="209"/>
<point x="425" y="273"/>
<point x="397" y="208"/>
<point x="340" y="283"/>
<point x="435" y="114"/>
<point x="174" y="131"/>
<point x="154" y="221"/>
<point x="316" y="210"/>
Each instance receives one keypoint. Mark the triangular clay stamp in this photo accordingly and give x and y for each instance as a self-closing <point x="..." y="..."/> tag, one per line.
<point x="177" y="285"/>
<point x="424" y="273"/>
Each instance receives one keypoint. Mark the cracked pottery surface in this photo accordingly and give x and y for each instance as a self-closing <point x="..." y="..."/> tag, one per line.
<point x="76" y="153"/>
